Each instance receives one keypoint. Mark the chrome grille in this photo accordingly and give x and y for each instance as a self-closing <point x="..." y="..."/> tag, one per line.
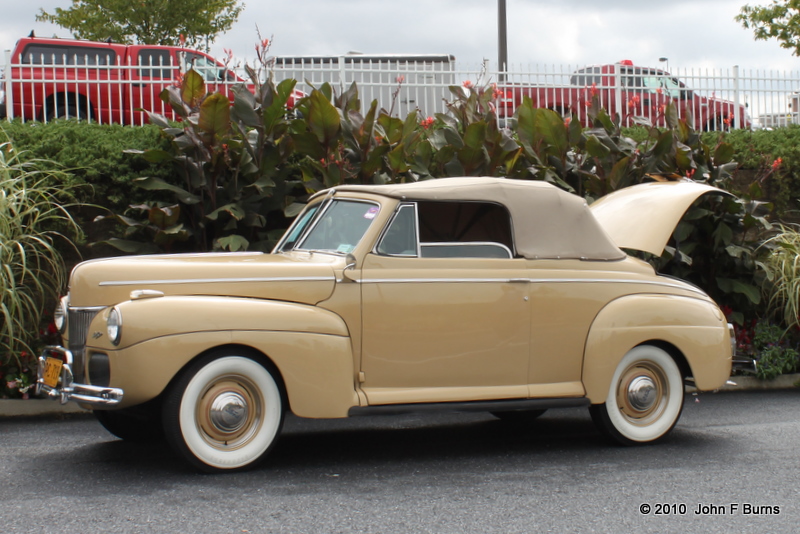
<point x="78" y="330"/>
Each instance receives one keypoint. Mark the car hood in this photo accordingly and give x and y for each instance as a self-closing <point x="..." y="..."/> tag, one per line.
<point x="296" y="277"/>
<point x="643" y="217"/>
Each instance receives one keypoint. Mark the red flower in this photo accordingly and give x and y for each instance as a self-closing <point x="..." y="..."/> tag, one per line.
<point x="467" y="84"/>
<point x="427" y="123"/>
<point x="776" y="164"/>
<point x="400" y="79"/>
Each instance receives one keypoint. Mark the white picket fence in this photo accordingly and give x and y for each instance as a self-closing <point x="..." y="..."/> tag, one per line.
<point x="402" y="84"/>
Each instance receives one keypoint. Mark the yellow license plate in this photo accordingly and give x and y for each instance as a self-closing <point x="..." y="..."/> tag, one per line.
<point x="52" y="371"/>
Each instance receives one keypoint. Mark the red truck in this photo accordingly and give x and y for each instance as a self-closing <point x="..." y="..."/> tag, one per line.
<point x="630" y="91"/>
<point x="104" y="82"/>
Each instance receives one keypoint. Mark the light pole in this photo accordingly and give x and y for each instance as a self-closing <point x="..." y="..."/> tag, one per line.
<point x="502" y="44"/>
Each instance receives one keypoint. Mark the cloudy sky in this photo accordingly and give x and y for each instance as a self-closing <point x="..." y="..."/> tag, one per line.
<point x="691" y="33"/>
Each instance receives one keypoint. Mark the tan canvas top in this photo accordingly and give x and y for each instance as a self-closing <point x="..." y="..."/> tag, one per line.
<point x="548" y="222"/>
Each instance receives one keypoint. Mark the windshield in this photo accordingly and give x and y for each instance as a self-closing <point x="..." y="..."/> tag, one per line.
<point x="336" y="227"/>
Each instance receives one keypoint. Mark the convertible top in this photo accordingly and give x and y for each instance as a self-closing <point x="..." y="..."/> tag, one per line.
<point x="548" y="223"/>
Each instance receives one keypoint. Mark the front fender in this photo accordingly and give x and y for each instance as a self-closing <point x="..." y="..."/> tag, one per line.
<point x="146" y="319"/>
<point x="309" y="346"/>
<point x="694" y="327"/>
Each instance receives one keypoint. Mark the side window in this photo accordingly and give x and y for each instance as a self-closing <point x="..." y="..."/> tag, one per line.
<point x="205" y="67"/>
<point x="449" y="230"/>
<point x="400" y="238"/>
<point x="149" y="59"/>
<point x="67" y="55"/>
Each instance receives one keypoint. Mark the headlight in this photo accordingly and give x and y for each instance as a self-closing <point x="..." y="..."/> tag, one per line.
<point x="60" y="315"/>
<point x="114" y="326"/>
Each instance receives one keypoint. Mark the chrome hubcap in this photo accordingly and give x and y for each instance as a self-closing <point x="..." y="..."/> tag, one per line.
<point x="642" y="393"/>
<point x="228" y="412"/>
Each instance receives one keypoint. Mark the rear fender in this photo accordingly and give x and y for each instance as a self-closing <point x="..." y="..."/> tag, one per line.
<point x="696" y="328"/>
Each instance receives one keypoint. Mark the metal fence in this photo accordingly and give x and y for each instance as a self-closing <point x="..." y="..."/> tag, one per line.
<point x="733" y="97"/>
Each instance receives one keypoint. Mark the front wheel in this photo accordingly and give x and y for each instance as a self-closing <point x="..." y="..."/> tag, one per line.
<point x="224" y="413"/>
<point x="645" y="398"/>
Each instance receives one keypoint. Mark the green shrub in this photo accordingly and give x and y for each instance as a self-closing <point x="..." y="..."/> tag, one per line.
<point x="782" y="265"/>
<point x="32" y="222"/>
<point x="89" y="163"/>
<point x="772" y="351"/>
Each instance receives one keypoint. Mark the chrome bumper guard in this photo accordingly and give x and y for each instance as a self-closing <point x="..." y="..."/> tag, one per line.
<point x="739" y="362"/>
<point x="66" y="390"/>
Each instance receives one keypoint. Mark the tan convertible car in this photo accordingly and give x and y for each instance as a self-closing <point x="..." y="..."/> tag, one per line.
<point x="488" y="294"/>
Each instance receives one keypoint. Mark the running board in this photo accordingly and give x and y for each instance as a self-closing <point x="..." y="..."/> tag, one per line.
<point x="476" y="406"/>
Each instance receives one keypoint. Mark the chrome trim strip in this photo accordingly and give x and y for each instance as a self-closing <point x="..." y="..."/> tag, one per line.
<point x="528" y="280"/>
<point x="217" y="281"/>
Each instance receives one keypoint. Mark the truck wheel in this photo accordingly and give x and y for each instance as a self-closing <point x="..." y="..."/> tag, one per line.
<point x="69" y="110"/>
<point x="138" y="424"/>
<point x="645" y="398"/>
<point x="224" y="412"/>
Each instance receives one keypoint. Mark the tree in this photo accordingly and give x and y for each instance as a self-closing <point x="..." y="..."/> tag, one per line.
<point x="780" y="20"/>
<point x="160" y="22"/>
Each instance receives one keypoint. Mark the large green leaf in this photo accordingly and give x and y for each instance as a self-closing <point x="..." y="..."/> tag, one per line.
<point x="233" y="243"/>
<point x="157" y="184"/>
<point x="724" y="153"/>
<point x="244" y="107"/>
<point x="550" y="128"/>
<point x="276" y="110"/>
<point x="193" y="87"/>
<point x="323" y="118"/>
<point x="215" y="116"/>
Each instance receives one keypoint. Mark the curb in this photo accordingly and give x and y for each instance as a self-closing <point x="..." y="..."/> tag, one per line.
<point x="37" y="408"/>
<point x="751" y="383"/>
<point x="52" y="408"/>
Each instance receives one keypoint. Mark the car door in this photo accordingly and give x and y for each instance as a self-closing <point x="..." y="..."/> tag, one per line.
<point x="151" y="70"/>
<point x="445" y="304"/>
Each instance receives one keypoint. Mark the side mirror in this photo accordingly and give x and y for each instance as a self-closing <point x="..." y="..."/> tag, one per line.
<point x="350" y="264"/>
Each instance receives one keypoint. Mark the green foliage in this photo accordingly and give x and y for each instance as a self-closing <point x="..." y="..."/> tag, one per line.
<point x="779" y="20"/>
<point x="88" y="162"/>
<point x="33" y="219"/>
<point x="232" y="165"/>
<point x="159" y="22"/>
<point x="772" y="160"/>
<point x="772" y="351"/>
<point x="782" y="265"/>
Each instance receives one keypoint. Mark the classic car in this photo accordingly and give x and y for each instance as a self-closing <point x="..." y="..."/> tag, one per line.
<point x="498" y="295"/>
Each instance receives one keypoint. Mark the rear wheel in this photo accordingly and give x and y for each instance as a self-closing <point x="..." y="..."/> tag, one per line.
<point x="224" y="413"/>
<point x="65" y="110"/>
<point x="645" y="398"/>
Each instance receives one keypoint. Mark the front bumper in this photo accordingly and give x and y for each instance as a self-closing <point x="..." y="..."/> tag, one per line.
<point x="65" y="389"/>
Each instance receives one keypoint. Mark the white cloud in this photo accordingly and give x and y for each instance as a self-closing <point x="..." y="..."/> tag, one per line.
<point x="691" y="33"/>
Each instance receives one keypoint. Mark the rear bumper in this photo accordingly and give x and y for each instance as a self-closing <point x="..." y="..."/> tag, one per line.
<point x="66" y="390"/>
<point x="743" y="363"/>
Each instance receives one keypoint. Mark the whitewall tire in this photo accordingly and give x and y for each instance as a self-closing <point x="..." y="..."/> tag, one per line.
<point x="224" y="413"/>
<point x="645" y="397"/>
